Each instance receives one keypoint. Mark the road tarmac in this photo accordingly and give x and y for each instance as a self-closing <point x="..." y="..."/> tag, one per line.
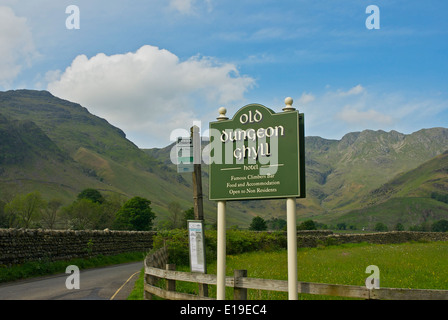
<point x="107" y="283"/>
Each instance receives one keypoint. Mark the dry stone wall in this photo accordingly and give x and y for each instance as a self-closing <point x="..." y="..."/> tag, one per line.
<point x="314" y="240"/>
<point x="21" y="245"/>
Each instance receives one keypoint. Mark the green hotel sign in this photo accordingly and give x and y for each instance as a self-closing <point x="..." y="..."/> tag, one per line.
<point x="258" y="154"/>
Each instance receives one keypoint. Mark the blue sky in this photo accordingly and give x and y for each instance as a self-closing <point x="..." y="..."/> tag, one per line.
<point x="155" y="67"/>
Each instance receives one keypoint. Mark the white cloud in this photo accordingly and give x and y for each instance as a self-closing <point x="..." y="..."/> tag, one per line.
<point x="367" y="118"/>
<point x="268" y="33"/>
<point x="187" y="6"/>
<point x="150" y="92"/>
<point x="183" y="6"/>
<point x="16" y="45"/>
<point x="335" y="112"/>
<point x="306" y="98"/>
<point x="331" y="114"/>
<point x="353" y="91"/>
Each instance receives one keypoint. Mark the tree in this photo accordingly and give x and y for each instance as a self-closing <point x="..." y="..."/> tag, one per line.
<point x="341" y="226"/>
<point x="23" y="209"/>
<point x="92" y="195"/>
<point x="380" y="227"/>
<point x="109" y="208"/>
<point x="399" y="227"/>
<point x="175" y="214"/>
<point x="258" y="224"/>
<point x="188" y="215"/>
<point x="4" y="223"/>
<point x="82" y="214"/>
<point x="440" y="226"/>
<point x="49" y="214"/>
<point x="424" y="226"/>
<point x="135" y="214"/>
<point x="307" y="225"/>
<point x="276" y="224"/>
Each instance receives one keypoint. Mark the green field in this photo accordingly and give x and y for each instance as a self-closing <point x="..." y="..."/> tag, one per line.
<point x="409" y="265"/>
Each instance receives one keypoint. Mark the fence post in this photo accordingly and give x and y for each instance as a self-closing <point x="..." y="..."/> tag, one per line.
<point x="239" y="293"/>
<point x="146" y="294"/>
<point x="151" y="280"/>
<point x="171" y="284"/>
<point x="203" y="290"/>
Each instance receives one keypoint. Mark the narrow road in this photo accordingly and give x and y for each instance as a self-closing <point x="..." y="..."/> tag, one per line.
<point x="95" y="284"/>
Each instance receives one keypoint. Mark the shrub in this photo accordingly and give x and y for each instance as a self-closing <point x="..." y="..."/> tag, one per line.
<point x="307" y="225"/>
<point x="440" y="197"/>
<point x="258" y="224"/>
<point x="440" y="226"/>
<point x="381" y="227"/>
<point x="177" y="244"/>
<point x="92" y="195"/>
<point x="135" y="214"/>
<point x="399" y="227"/>
<point x="341" y="226"/>
<point x="424" y="226"/>
<point x="237" y="242"/>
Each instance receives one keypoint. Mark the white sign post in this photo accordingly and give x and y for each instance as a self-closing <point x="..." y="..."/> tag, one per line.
<point x="221" y="237"/>
<point x="291" y="219"/>
<point x="197" y="250"/>
<point x="292" y="151"/>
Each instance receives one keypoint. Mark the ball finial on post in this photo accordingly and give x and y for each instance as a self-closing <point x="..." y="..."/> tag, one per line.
<point x="222" y="114"/>
<point x="288" y="103"/>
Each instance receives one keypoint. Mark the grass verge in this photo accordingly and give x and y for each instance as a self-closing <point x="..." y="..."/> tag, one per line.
<point x="409" y="265"/>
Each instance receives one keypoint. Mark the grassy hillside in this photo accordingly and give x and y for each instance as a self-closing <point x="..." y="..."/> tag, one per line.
<point x="341" y="172"/>
<point x="29" y="160"/>
<point x="430" y="177"/>
<point x="411" y="198"/>
<point x="95" y="154"/>
<point x="59" y="148"/>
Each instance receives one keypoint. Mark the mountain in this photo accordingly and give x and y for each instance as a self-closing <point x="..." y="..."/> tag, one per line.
<point x="23" y="141"/>
<point x="428" y="179"/>
<point x="344" y="175"/>
<point x="59" y="148"/>
<point x="340" y="173"/>
<point x="412" y="198"/>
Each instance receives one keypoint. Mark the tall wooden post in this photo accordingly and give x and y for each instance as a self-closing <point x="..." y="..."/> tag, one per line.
<point x="197" y="189"/>
<point x="197" y="178"/>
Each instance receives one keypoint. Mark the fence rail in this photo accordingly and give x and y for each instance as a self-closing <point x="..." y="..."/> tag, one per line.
<point x="240" y="282"/>
<point x="243" y="283"/>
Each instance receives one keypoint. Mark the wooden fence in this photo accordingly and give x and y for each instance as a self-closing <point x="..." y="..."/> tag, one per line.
<point x="240" y="282"/>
